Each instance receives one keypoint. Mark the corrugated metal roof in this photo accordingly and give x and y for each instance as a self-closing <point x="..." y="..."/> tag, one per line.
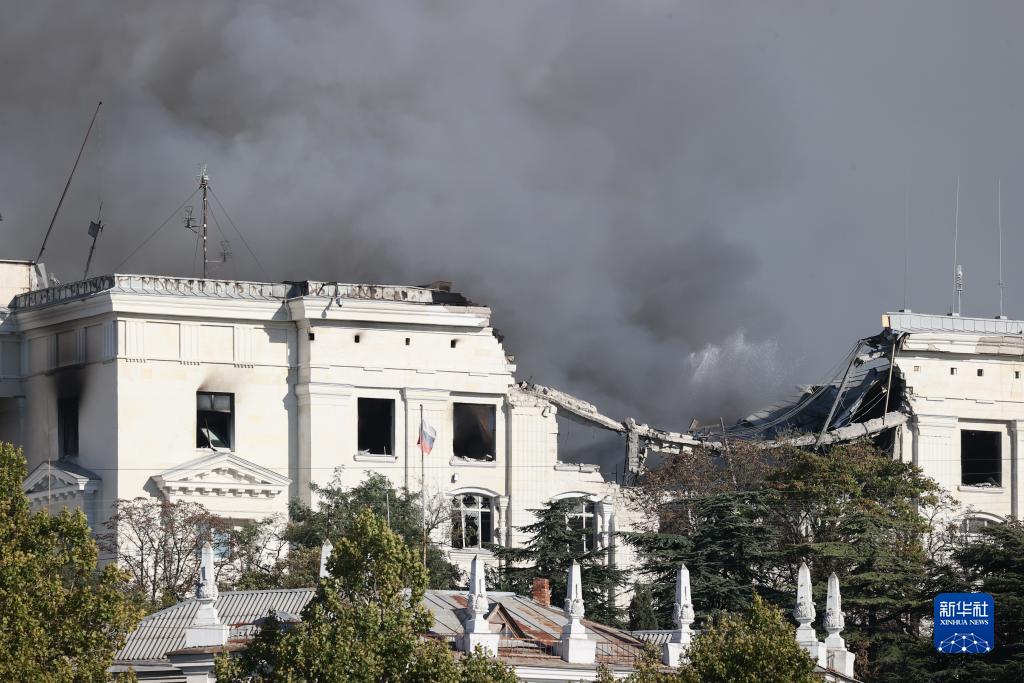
<point x="164" y="631"/>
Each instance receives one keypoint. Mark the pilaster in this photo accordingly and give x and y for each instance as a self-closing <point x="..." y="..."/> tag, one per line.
<point x="321" y="432"/>
<point x="1016" y="469"/>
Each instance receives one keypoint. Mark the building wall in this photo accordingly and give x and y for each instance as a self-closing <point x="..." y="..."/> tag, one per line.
<point x="958" y="383"/>
<point x="297" y="370"/>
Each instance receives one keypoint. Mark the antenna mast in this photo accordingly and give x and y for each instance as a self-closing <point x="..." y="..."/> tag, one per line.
<point x="68" y="183"/>
<point x="999" y="202"/>
<point x="906" y="248"/>
<point x="958" y="272"/>
<point x="204" y="185"/>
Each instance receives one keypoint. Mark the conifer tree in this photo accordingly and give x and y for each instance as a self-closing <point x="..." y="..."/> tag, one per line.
<point x="554" y="544"/>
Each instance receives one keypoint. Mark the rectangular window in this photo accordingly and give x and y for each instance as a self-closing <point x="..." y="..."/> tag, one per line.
<point x="67" y="427"/>
<point x="377" y="426"/>
<point x="215" y="420"/>
<point x="473" y="431"/>
<point x="471" y="521"/>
<point x="981" y="372"/>
<point x="980" y="458"/>
<point x="952" y="371"/>
<point x="583" y="523"/>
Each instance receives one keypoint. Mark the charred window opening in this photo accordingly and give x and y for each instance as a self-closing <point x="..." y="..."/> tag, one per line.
<point x="980" y="458"/>
<point x="581" y="521"/>
<point x="215" y="418"/>
<point x="473" y="431"/>
<point x="377" y="426"/>
<point x="67" y="427"/>
<point x="471" y="521"/>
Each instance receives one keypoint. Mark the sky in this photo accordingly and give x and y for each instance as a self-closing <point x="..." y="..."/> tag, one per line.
<point x="674" y="209"/>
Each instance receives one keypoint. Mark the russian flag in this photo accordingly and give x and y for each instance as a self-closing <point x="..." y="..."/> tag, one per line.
<point x="427" y="436"/>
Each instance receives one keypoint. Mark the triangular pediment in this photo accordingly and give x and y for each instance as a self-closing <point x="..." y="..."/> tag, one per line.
<point x="221" y="473"/>
<point x="59" y="477"/>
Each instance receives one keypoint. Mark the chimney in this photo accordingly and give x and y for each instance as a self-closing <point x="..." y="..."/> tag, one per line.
<point x="541" y="593"/>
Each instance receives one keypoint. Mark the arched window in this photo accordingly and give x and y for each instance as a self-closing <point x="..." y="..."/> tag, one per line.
<point x="471" y="520"/>
<point x="974" y="524"/>
<point x="581" y="519"/>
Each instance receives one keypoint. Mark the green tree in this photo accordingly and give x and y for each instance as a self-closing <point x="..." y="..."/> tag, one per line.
<point x="758" y="647"/>
<point x="335" y="516"/>
<point x="991" y="562"/>
<point x="366" y="623"/>
<point x="641" y="609"/>
<point x="743" y="522"/>
<point x="554" y="544"/>
<point x="61" y="619"/>
<point x="478" y="667"/>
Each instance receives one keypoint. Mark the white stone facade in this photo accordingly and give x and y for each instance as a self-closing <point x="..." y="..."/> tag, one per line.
<point x="135" y="361"/>
<point x="964" y="388"/>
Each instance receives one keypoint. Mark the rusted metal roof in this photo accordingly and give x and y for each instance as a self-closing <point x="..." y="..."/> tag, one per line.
<point x="528" y="629"/>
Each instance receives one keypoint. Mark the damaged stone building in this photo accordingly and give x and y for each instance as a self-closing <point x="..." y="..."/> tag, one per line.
<point x="944" y="392"/>
<point x="239" y="395"/>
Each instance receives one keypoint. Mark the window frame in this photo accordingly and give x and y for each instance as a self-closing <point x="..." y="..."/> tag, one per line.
<point x="228" y="446"/>
<point x="493" y="457"/>
<point x="392" y="436"/>
<point x="459" y="513"/>
<point x="997" y="472"/>
<point x="587" y="511"/>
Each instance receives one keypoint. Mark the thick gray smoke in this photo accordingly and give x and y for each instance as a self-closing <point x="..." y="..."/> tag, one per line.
<point x="675" y="209"/>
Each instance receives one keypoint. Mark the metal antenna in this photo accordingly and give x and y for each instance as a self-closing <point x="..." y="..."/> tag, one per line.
<point x="204" y="185"/>
<point x="999" y="202"/>
<point x="958" y="274"/>
<point x="906" y="247"/>
<point x="71" y="175"/>
<point x="95" y="228"/>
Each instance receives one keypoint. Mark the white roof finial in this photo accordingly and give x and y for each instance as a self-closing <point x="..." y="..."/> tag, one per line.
<point x="574" y="593"/>
<point x="575" y="647"/>
<point x="834" y="618"/>
<point x="682" y="615"/>
<point x="477" y="630"/>
<point x="325" y="554"/>
<point x="477" y="588"/>
<point x="804" y="612"/>
<point x="206" y="589"/>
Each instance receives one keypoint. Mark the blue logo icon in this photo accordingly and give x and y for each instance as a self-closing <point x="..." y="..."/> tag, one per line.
<point x="965" y="623"/>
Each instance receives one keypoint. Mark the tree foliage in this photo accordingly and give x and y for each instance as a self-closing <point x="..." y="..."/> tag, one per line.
<point x="61" y="619"/>
<point x="366" y="623"/>
<point x="156" y="543"/>
<point x="758" y="647"/>
<point x="335" y="517"/>
<point x="743" y="521"/>
<point x="642" y="616"/>
<point x="552" y="548"/>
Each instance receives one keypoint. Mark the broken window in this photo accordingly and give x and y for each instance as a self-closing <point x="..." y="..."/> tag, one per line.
<point x="471" y="521"/>
<point x="473" y="431"/>
<point x="980" y="458"/>
<point x="376" y="426"/>
<point x="67" y="427"/>
<point x="215" y="415"/>
<point x="581" y="520"/>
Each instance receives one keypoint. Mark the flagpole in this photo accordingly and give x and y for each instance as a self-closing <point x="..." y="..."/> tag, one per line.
<point x="423" y="488"/>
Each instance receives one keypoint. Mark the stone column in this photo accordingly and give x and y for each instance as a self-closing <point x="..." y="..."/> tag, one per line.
<point x="933" y="448"/>
<point x="502" y="527"/>
<point x="1016" y="469"/>
<point x="322" y="435"/>
<point x="605" y="509"/>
